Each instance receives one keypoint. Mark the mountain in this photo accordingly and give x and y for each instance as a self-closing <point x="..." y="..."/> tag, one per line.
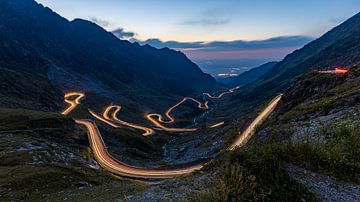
<point x="19" y="89"/>
<point x="80" y="55"/>
<point x="311" y="137"/>
<point x="251" y="75"/>
<point x="338" y="47"/>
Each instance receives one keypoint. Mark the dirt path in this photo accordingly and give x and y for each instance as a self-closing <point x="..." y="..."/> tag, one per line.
<point x="325" y="187"/>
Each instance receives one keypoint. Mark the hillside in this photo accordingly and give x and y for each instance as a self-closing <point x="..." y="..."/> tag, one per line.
<point x="307" y="150"/>
<point x="80" y="55"/>
<point x="252" y="75"/>
<point x="338" y="47"/>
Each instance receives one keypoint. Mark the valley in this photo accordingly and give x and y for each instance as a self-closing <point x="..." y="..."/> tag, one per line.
<point x="122" y="169"/>
<point x="91" y="111"/>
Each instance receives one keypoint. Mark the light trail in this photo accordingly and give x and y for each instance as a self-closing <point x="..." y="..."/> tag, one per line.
<point x="106" y="118"/>
<point x="72" y="103"/>
<point x="164" y="128"/>
<point x="159" y="118"/>
<point x="338" y="70"/>
<point x="341" y="70"/>
<point x="103" y="119"/>
<point x="109" y="163"/>
<point x="170" y="118"/>
<point x="222" y="94"/>
<point x="109" y="120"/>
<point x="147" y="131"/>
<point x="217" y="125"/>
<point x="250" y="130"/>
<point x="119" y="168"/>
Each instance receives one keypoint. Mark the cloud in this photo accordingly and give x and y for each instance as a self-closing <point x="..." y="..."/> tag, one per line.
<point x="214" y="56"/>
<point x="207" y="21"/>
<point x="208" y="18"/>
<point x="275" y="42"/>
<point x="102" y="23"/>
<point x="171" y="44"/>
<point x="121" y="34"/>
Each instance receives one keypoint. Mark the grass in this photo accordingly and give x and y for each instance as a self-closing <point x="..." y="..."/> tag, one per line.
<point x="33" y="183"/>
<point x="333" y="98"/>
<point x="255" y="172"/>
<point x="338" y="156"/>
<point x="252" y="174"/>
<point x="22" y="119"/>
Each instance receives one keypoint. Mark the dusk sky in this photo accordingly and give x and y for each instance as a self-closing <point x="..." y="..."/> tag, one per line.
<point x="251" y="31"/>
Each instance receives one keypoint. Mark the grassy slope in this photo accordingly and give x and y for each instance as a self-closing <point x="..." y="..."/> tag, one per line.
<point x="55" y="165"/>
<point x="328" y="146"/>
<point x="19" y="89"/>
<point x="256" y="171"/>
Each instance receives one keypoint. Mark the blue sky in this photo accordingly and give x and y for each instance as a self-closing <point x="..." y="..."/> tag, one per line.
<point x="213" y="20"/>
<point x="208" y="20"/>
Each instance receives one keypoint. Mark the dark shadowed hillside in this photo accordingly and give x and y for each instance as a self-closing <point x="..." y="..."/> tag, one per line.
<point x="80" y="55"/>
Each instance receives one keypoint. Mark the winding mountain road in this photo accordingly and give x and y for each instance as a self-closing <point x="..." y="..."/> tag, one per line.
<point x="116" y="109"/>
<point x="222" y="94"/>
<point x="155" y="119"/>
<point x="111" y="164"/>
<point x="244" y="137"/>
<point x="72" y="103"/>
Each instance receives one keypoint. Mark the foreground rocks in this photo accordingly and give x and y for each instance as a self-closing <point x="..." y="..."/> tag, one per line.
<point x="325" y="187"/>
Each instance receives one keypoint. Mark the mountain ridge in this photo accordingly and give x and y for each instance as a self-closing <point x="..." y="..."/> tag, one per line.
<point x="337" y="47"/>
<point x="36" y="39"/>
<point x="252" y="75"/>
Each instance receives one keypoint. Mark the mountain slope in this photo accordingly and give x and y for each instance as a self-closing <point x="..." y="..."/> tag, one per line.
<point x="81" y="55"/>
<point x="251" y="75"/>
<point x="313" y="132"/>
<point x="19" y="89"/>
<point x="340" y="46"/>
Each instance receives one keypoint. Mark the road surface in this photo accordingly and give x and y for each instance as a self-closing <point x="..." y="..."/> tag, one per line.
<point x="72" y="103"/>
<point x="250" y="130"/>
<point x="222" y="94"/>
<point x="155" y="119"/>
<point x="217" y="125"/>
<point x="334" y="71"/>
<point x="111" y="164"/>
<point x="116" y="109"/>
<point x="108" y="162"/>
<point x="171" y="119"/>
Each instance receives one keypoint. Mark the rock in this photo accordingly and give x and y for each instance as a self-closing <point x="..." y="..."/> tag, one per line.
<point x="28" y="145"/>
<point x="82" y="184"/>
<point x="325" y="187"/>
